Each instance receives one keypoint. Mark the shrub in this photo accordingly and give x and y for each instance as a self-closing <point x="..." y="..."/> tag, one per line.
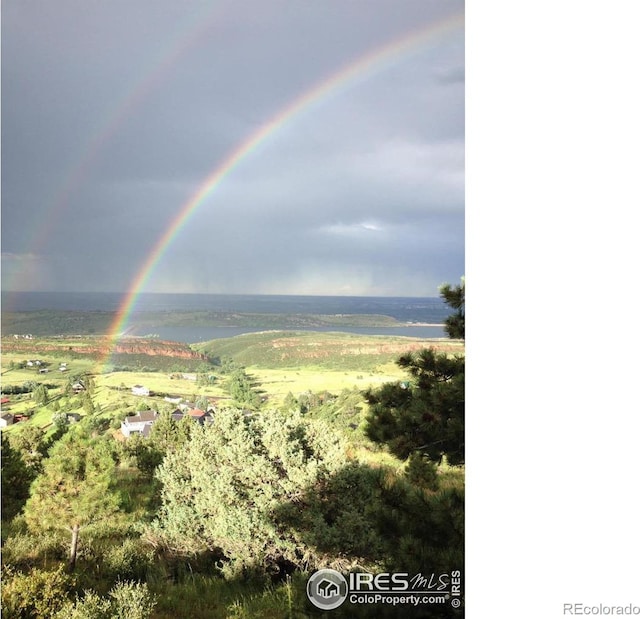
<point x="129" y="560"/>
<point x="220" y="491"/>
<point x="131" y="601"/>
<point x="36" y="594"/>
<point x="24" y="550"/>
<point x="128" y="601"/>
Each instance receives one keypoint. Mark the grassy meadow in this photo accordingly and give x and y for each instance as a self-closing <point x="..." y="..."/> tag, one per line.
<point x="278" y="362"/>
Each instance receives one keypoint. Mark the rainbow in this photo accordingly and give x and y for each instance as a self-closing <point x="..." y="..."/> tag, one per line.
<point x="359" y="70"/>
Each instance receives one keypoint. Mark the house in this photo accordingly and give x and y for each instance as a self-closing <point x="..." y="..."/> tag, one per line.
<point x="6" y="419"/>
<point x="78" y="386"/>
<point x="200" y="416"/>
<point x="197" y="414"/>
<point x="139" y="423"/>
<point x="140" y="390"/>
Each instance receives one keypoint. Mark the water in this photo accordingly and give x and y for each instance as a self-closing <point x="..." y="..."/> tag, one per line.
<point x="431" y="310"/>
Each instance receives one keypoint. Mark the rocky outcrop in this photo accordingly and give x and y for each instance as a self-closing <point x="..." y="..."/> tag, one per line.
<point x="102" y="346"/>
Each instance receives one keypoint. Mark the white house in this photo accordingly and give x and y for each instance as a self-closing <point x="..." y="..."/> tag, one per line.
<point x="140" y="390"/>
<point x="6" y="419"/>
<point x="141" y="423"/>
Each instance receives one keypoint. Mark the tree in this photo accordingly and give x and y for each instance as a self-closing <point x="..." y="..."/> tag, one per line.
<point x="221" y="489"/>
<point x="40" y="395"/>
<point x="426" y="415"/>
<point x="241" y="389"/>
<point x="87" y="404"/>
<point x="203" y="403"/>
<point x="32" y="445"/>
<point x="453" y="296"/>
<point x="60" y="421"/>
<point x="167" y="434"/>
<point x="16" y="478"/>
<point x="74" y="490"/>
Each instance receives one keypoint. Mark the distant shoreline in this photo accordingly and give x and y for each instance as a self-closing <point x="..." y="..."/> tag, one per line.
<point x="423" y="324"/>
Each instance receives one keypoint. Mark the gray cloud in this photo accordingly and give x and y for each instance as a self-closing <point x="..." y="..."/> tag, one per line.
<point x="115" y="114"/>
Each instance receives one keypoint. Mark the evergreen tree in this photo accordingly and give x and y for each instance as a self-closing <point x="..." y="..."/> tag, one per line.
<point x="453" y="296"/>
<point x="40" y="395"/>
<point x="32" y="445"/>
<point x="16" y="478"/>
<point x="74" y="490"/>
<point x="221" y="489"/>
<point x="426" y="415"/>
<point x="167" y="434"/>
<point x="87" y="404"/>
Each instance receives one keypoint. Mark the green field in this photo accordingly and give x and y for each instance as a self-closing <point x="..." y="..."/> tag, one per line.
<point x="326" y="351"/>
<point x="278" y="362"/>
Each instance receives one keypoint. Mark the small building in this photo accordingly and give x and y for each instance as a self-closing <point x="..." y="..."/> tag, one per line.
<point x="139" y="423"/>
<point x="140" y="390"/>
<point x="200" y="416"/>
<point x="6" y="419"/>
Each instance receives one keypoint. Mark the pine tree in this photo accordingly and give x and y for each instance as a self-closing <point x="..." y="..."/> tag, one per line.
<point x="426" y="415"/>
<point x="16" y="478"/>
<point x="74" y="490"/>
<point x="453" y="296"/>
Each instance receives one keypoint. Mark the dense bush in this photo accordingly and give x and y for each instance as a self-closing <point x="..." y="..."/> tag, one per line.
<point x="129" y="560"/>
<point x="125" y="601"/>
<point x="36" y="594"/>
<point x="221" y="489"/>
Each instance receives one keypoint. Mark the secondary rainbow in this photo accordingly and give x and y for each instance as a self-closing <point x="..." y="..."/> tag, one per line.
<point x="195" y="27"/>
<point x="361" y="69"/>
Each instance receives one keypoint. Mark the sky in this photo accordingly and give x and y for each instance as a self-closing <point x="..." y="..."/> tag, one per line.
<point x="116" y="114"/>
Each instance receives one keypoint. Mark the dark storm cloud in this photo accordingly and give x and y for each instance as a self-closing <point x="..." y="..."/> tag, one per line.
<point x="114" y="114"/>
